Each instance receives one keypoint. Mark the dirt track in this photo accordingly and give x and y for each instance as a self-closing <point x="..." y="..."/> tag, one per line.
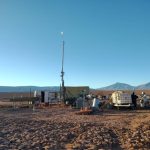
<point x="60" y="128"/>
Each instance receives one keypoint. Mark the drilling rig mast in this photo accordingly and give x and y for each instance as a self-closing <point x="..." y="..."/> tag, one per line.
<point x="62" y="71"/>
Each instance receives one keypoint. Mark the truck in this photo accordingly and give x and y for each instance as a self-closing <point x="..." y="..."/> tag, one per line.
<point x="121" y="99"/>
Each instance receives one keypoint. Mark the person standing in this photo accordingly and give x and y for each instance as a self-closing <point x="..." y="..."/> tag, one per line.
<point x="143" y="100"/>
<point x="134" y="99"/>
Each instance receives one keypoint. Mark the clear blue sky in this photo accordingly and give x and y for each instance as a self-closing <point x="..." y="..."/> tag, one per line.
<point x="105" y="42"/>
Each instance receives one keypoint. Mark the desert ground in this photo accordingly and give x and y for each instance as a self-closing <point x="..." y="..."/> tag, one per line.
<point x="59" y="128"/>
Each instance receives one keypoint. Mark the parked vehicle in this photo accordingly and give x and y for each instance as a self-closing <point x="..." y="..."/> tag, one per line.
<point x="121" y="99"/>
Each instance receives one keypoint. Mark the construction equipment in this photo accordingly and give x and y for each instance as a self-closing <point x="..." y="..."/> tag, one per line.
<point x="121" y="99"/>
<point x="84" y="111"/>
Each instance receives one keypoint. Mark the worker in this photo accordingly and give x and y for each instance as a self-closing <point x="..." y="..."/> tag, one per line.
<point x="134" y="99"/>
<point x="143" y="100"/>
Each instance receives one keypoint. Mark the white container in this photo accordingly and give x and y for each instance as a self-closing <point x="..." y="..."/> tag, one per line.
<point x="35" y="93"/>
<point x="121" y="99"/>
<point x="95" y="103"/>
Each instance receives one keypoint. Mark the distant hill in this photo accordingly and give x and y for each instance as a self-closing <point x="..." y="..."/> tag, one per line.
<point x="27" y="88"/>
<point x="118" y="86"/>
<point x="124" y="86"/>
<point x="143" y="86"/>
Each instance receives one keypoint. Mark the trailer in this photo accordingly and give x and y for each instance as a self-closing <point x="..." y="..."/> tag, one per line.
<point x="47" y="96"/>
<point x="121" y="99"/>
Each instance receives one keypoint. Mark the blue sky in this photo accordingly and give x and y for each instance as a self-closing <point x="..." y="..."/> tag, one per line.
<point x="105" y="42"/>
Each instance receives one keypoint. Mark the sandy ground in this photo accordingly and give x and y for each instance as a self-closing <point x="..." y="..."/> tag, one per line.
<point x="60" y="128"/>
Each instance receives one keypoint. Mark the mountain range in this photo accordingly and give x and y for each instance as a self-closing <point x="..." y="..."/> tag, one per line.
<point x="115" y="86"/>
<point x="124" y="86"/>
<point x="27" y="88"/>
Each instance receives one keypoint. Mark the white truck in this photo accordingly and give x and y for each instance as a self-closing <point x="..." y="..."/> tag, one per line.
<point x="121" y="99"/>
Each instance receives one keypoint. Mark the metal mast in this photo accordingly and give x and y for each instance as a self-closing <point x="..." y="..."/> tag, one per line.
<point x="62" y="70"/>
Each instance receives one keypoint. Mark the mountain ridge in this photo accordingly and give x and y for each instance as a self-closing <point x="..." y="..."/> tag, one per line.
<point x="27" y="88"/>
<point x="115" y="86"/>
<point x="124" y="86"/>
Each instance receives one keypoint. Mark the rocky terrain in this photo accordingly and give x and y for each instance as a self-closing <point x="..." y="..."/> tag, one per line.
<point x="60" y="128"/>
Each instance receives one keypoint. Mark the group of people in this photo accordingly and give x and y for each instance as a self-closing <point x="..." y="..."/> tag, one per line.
<point x="143" y="100"/>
